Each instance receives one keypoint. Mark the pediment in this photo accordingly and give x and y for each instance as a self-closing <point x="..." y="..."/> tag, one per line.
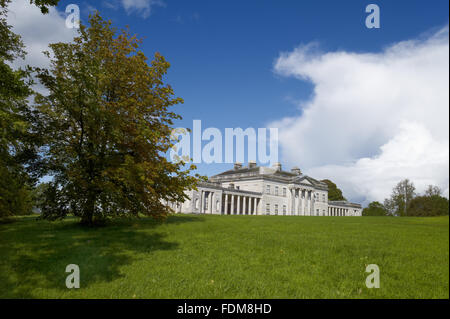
<point x="305" y="180"/>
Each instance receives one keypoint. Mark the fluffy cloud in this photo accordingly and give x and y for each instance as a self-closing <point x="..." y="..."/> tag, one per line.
<point x="37" y="30"/>
<point x="374" y="118"/>
<point x="143" y="7"/>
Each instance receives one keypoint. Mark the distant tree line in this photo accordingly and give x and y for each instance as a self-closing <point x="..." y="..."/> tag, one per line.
<point x="405" y="202"/>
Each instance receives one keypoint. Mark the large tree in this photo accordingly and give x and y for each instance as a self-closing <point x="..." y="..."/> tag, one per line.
<point x="107" y="124"/>
<point x="401" y="196"/>
<point x="334" y="193"/>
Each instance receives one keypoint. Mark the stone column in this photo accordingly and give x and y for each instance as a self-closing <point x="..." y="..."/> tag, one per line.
<point x="303" y="194"/>
<point x="244" y="205"/>
<point x="201" y="202"/>
<point x="300" y="202"/>
<point x="313" y="202"/>
<point x="293" y="201"/>
<point x="289" y="201"/>
<point x="255" y="206"/>
<point x="210" y="197"/>
<point x="238" y="211"/>
<point x="232" y="205"/>
<point x="225" y="207"/>
<point x="306" y="202"/>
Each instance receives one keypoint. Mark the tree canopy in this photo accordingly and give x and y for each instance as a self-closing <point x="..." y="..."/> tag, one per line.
<point x="433" y="191"/>
<point x="433" y="205"/>
<point x="375" y="209"/>
<point x="401" y="196"/>
<point x="334" y="193"/>
<point x="106" y="124"/>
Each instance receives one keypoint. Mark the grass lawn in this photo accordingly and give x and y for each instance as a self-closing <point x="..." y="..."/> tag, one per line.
<point x="192" y="256"/>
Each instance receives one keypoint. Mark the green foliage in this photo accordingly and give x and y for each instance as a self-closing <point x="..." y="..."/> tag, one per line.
<point x="15" y="195"/>
<point x="16" y="143"/>
<point x="106" y="123"/>
<point x="433" y="191"/>
<point x="38" y="194"/>
<point x="42" y="4"/>
<point x="334" y="193"/>
<point x="433" y="205"/>
<point x="401" y="196"/>
<point x="375" y="209"/>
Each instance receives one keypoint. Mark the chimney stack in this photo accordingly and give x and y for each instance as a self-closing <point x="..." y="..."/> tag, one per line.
<point x="296" y="170"/>
<point x="251" y="164"/>
<point x="237" y="165"/>
<point x="277" y="166"/>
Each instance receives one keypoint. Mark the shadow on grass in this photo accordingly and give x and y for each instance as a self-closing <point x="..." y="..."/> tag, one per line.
<point x="34" y="254"/>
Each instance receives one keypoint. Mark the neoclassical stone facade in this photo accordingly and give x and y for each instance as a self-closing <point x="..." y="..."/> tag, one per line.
<point x="258" y="190"/>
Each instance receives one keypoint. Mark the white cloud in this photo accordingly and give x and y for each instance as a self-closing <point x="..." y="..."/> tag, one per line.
<point x="143" y="7"/>
<point x="374" y="118"/>
<point x="37" y="30"/>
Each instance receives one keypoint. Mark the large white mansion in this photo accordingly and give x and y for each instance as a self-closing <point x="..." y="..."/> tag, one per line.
<point x="257" y="190"/>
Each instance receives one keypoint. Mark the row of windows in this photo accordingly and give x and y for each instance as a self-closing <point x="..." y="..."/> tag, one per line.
<point x="276" y="191"/>
<point x="284" y="192"/>
<point x="275" y="209"/>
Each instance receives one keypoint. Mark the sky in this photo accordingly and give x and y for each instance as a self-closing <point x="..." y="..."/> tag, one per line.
<point x="362" y="107"/>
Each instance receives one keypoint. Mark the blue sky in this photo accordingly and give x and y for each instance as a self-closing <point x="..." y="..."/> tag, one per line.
<point x="223" y="57"/>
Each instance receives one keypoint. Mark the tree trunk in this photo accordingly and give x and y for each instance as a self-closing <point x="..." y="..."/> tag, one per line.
<point x="88" y="213"/>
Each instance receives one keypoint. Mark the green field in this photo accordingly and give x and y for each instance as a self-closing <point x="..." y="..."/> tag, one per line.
<point x="192" y="256"/>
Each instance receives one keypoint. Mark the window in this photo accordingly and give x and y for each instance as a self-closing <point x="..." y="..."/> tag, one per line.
<point x="284" y="191"/>
<point x="284" y="209"/>
<point x="276" y="209"/>
<point x="323" y="198"/>
<point x="267" y="209"/>
<point x="276" y="190"/>
<point x="196" y="203"/>
<point x="318" y="212"/>
<point x="268" y="189"/>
